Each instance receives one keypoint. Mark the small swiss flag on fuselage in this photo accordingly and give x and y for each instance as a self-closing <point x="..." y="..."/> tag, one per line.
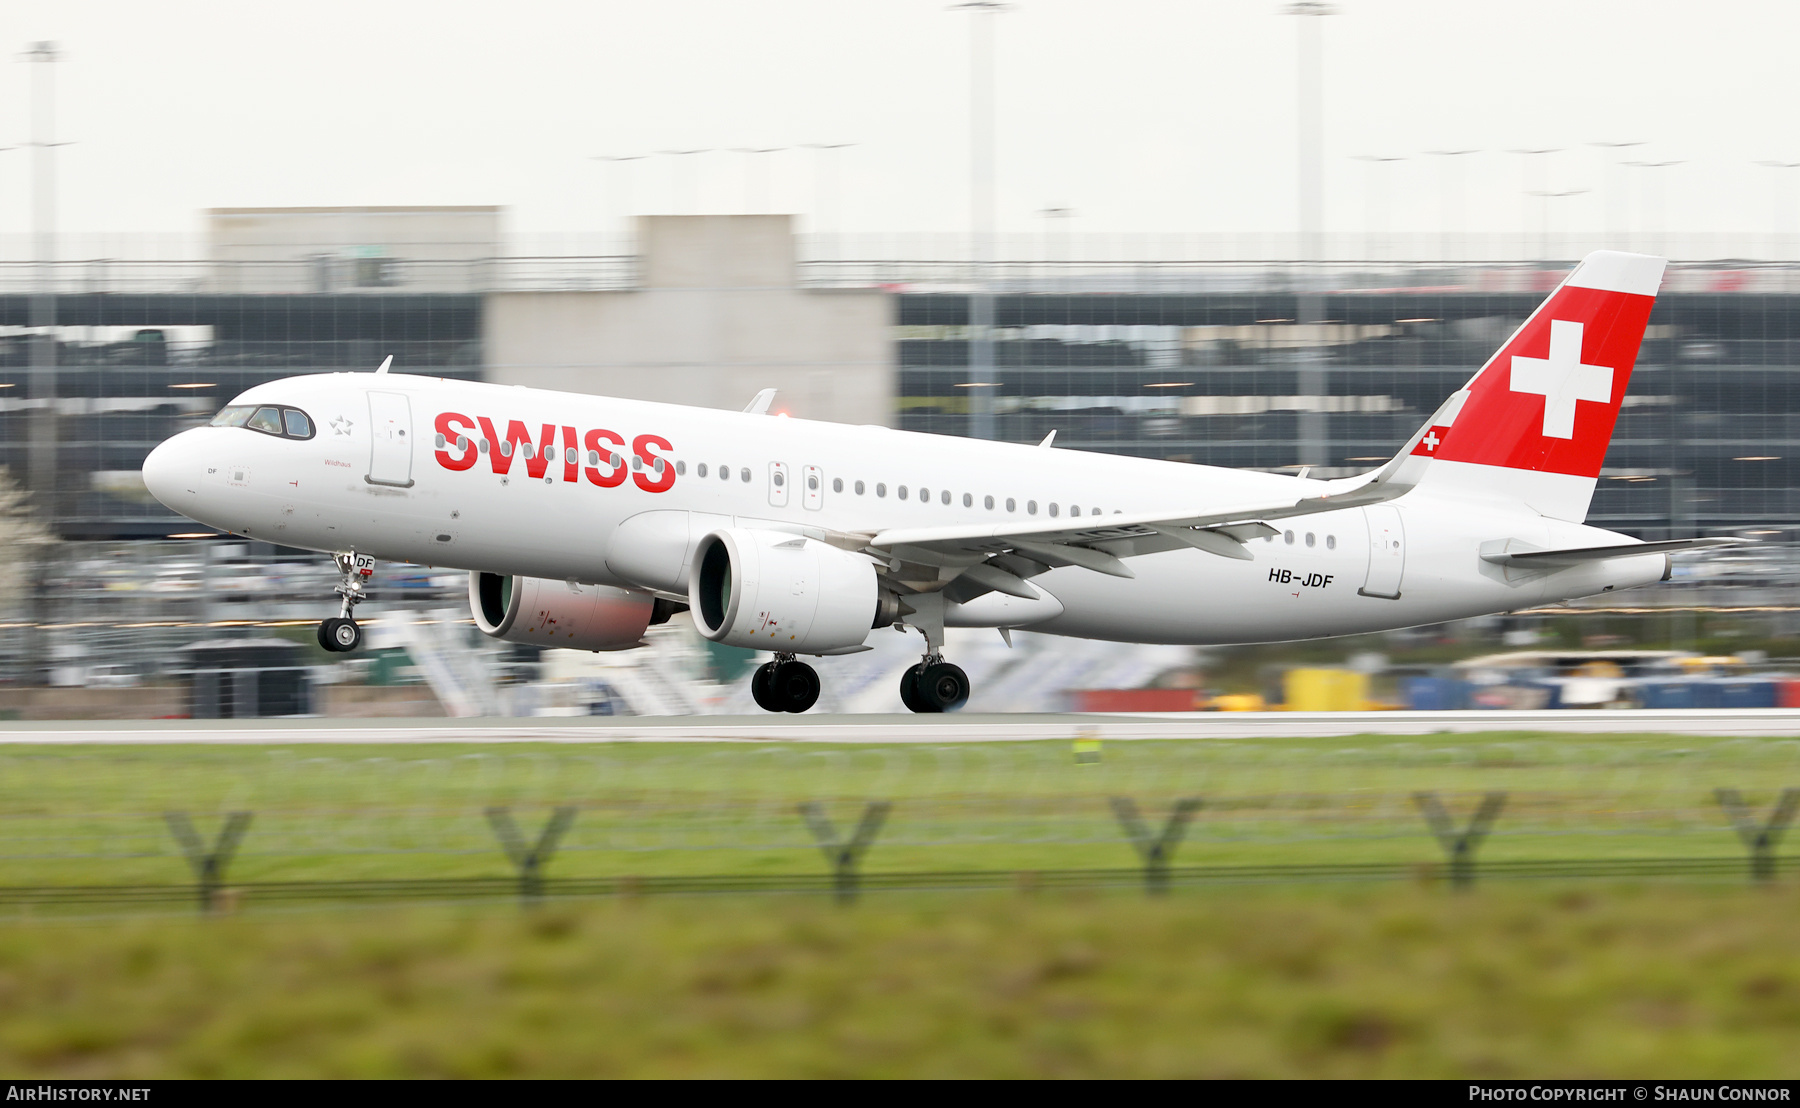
<point x="1548" y="399"/>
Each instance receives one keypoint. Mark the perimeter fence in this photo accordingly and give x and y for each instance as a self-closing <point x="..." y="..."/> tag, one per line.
<point x="95" y="825"/>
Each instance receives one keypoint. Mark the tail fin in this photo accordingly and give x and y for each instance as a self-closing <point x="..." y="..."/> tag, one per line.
<point x="1534" y="423"/>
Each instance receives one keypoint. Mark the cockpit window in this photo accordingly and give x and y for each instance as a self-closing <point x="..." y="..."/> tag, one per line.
<point x="287" y="423"/>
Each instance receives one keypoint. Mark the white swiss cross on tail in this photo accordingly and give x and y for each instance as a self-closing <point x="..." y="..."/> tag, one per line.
<point x="1562" y="379"/>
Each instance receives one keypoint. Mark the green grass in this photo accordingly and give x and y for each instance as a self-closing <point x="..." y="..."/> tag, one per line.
<point x="91" y="814"/>
<point x="1606" y="980"/>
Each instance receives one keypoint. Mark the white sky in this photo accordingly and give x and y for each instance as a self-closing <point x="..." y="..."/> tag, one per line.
<point x="1138" y="114"/>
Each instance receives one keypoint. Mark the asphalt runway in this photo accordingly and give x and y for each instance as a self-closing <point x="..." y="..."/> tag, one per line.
<point x="954" y="728"/>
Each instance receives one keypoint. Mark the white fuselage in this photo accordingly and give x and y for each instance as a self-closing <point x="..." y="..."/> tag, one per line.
<point x="376" y="478"/>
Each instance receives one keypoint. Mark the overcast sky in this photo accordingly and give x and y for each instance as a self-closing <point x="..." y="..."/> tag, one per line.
<point x="1136" y="114"/>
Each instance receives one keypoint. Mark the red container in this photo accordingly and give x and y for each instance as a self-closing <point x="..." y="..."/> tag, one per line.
<point x="1787" y="692"/>
<point x="1135" y="700"/>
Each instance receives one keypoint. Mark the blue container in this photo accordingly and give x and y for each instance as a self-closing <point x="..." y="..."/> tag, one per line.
<point x="1435" y="694"/>
<point x="1708" y="693"/>
<point x="1667" y="693"/>
<point x="1746" y="692"/>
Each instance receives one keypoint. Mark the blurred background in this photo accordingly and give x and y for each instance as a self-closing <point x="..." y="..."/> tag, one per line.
<point x="1272" y="237"/>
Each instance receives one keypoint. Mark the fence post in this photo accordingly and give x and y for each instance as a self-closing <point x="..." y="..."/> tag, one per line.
<point x="530" y="860"/>
<point x="844" y="856"/>
<point x="1155" y="850"/>
<point x="208" y="865"/>
<point x="1761" y="838"/>
<point x="1460" y="845"/>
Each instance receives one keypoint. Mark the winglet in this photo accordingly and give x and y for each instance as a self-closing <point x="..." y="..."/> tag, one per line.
<point x="759" y="404"/>
<point x="385" y="362"/>
<point x="1048" y="439"/>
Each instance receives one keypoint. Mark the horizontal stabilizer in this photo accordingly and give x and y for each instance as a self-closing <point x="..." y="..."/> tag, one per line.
<point x="1578" y="555"/>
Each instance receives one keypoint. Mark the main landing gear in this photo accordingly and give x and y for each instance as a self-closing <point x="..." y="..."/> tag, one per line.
<point x="934" y="685"/>
<point x="785" y="685"/>
<point x="340" y="634"/>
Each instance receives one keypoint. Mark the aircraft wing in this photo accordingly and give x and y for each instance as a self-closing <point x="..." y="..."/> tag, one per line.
<point x="999" y="556"/>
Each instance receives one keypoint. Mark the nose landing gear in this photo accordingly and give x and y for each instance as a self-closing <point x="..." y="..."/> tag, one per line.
<point x="785" y="685"/>
<point x="340" y="634"/>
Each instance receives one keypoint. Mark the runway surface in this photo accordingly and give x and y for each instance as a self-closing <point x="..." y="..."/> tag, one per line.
<point x="956" y="728"/>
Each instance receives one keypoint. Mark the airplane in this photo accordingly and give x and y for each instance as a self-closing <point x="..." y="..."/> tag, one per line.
<point x="582" y="520"/>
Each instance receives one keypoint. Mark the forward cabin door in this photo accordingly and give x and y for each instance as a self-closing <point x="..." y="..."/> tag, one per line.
<point x="390" y="437"/>
<point x="1387" y="552"/>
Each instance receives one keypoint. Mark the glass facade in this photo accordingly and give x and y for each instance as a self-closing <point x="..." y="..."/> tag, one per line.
<point x="131" y="370"/>
<point x="1707" y="441"/>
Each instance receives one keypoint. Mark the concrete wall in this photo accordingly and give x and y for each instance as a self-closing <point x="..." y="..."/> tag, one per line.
<point x="322" y="250"/>
<point x="718" y="316"/>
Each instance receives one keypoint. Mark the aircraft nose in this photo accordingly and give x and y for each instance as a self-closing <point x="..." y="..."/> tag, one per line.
<point x="169" y="470"/>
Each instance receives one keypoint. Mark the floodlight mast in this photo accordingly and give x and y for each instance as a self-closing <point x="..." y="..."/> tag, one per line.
<point x="1375" y="201"/>
<point x="1618" y="199"/>
<point x="1778" y="222"/>
<point x="1315" y="444"/>
<point x="982" y="216"/>
<point x="44" y="430"/>
<point x="1450" y="197"/>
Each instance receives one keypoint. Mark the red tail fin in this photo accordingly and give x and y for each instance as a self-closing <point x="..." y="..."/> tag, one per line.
<point x="1544" y="406"/>
<point x="1547" y="401"/>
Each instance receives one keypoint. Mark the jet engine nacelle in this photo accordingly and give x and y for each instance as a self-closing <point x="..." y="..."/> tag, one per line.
<point x="768" y="590"/>
<point x="558" y="613"/>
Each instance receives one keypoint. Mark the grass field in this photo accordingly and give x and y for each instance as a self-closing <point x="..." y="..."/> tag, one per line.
<point x="1574" y="978"/>
<point x="1370" y="980"/>
<point x="93" y="814"/>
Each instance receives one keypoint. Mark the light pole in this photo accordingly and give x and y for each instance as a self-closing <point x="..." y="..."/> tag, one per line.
<point x="1052" y="217"/>
<point x="1375" y="202"/>
<point x="826" y="212"/>
<point x="1657" y="194"/>
<point x="1544" y="217"/>
<point x="675" y="178"/>
<point x="1309" y="307"/>
<point x="44" y="431"/>
<point x="623" y="162"/>
<point x="1449" y="196"/>
<point x="1618" y="219"/>
<point x="1531" y="183"/>
<point x="756" y="185"/>
<point x="982" y="217"/>
<point x="1309" y="65"/>
<point x="1779" y="212"/>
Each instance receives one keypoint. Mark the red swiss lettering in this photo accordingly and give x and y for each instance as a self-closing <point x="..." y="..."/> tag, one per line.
<point x="657" y="475"/>
<point x="456" y="429"/>
<point x="571" y="460"/>
<point x="608" y="445"/>
<point x="518" y="439"/>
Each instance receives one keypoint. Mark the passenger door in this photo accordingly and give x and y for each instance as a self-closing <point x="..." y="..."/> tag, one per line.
<point x="390" y="440"/>
<point x="1387" y="552"/>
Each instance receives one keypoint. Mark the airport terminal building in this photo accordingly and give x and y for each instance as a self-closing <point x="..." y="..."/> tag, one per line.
<point x="1268" y="365"/>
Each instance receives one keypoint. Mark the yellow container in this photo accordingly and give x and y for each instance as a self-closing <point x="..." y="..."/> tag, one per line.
<point x="1236" y="702"/>
<point x="1326" y="690"/>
